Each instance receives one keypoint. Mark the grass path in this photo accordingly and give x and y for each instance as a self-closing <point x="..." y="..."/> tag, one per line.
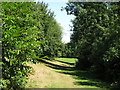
<point x="56" y="74"/>
<point x="45" y="77"/>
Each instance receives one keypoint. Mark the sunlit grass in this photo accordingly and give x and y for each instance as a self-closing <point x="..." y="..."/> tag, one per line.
<point x="47" y="77"/>
<point x="68" y="60"/>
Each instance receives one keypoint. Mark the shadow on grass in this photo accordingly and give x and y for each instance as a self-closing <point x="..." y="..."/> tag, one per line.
<point x="58" y="67"/>
<point x="86" y="78"/>
<point x="65" y="62"/>
<point x="82" y="77"/>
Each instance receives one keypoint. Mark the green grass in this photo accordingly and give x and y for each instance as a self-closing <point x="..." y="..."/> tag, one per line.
<point x="55" y="74"/>
<point x="67" y="60"/>
<point x="85" y="79"/>
<point x="82" y="78"/>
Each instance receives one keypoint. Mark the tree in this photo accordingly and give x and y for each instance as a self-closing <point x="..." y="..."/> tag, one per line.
<point x="94" y="27"/>
<point x="28" y="29"/>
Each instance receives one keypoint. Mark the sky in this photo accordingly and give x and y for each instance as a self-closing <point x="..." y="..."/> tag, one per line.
<point x="61" y="16"/>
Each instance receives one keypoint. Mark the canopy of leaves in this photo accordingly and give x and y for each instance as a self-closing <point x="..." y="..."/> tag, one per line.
<point x="96" y="38"/>
<point x="29" y="32"/>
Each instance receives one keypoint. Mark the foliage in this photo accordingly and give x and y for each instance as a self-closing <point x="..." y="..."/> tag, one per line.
<point x="96" y="38"/>
<point x="68" y="50"/>
<point x="29" y="32"/>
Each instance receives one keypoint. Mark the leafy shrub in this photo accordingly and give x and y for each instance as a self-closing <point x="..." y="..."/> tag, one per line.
<point x="96" y="38"/>
<point x="26" y="30"/>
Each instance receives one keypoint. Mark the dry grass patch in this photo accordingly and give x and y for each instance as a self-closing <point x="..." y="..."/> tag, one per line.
<point x="45" y="77"/>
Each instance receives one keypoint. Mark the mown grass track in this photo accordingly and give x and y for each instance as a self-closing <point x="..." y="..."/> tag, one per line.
<point x="60" y="73"/>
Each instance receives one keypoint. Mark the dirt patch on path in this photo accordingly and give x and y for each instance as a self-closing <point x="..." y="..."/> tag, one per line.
<point x="45" y="77"/>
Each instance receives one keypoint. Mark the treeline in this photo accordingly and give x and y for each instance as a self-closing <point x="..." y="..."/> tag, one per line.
<point x="29" y="32"/>
<point x="96" y="38"/>
<point x="67" y="50"/>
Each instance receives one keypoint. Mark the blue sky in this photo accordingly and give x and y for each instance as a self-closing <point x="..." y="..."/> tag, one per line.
<point x="61" y="17"/>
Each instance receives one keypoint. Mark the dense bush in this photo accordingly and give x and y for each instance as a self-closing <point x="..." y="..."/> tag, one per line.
<point x="29" y="32"/>
<point x="96" y="38"/>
